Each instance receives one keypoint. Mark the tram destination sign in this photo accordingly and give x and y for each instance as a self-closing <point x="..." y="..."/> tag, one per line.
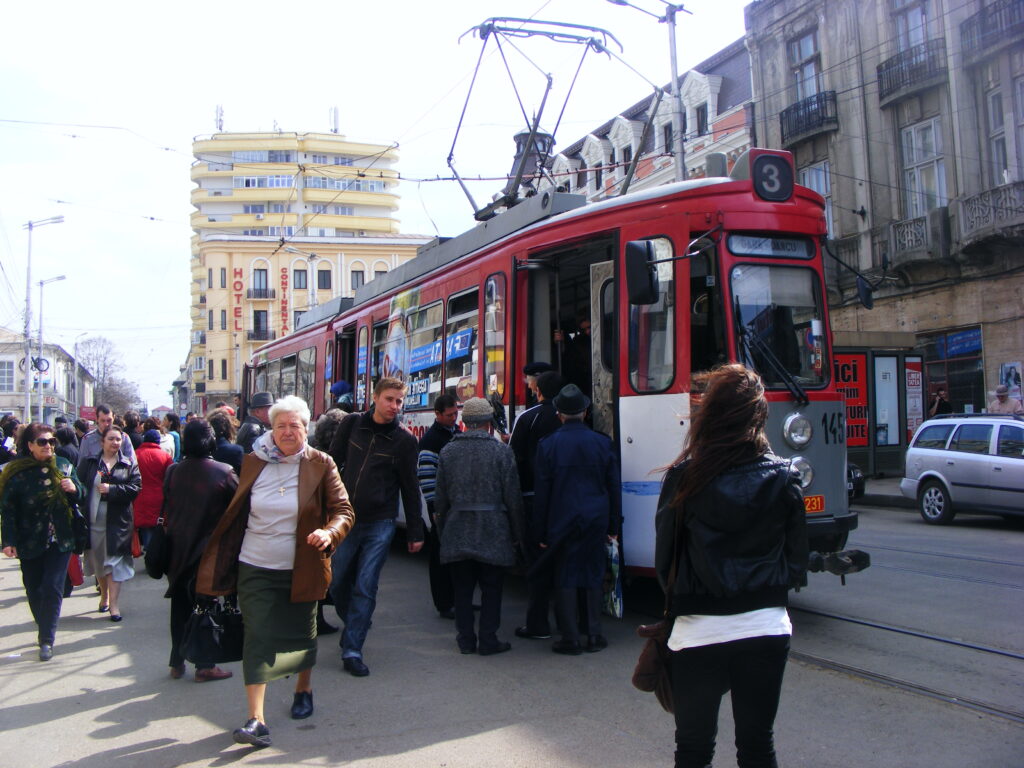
<point x="776" y="247"/>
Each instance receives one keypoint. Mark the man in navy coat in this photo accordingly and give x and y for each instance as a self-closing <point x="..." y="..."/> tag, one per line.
<point x="576" y="512"/>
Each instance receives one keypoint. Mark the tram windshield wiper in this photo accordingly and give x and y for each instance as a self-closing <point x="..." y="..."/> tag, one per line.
<point x="753" y="342"/>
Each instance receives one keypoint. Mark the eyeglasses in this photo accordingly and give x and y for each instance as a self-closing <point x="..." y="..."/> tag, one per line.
<point x="42" y="442"/>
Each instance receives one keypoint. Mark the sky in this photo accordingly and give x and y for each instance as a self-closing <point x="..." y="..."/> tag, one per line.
<point x="100" y="103"/>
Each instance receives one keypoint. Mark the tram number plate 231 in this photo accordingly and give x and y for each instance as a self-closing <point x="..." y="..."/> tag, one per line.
<point x="814" y="503"/>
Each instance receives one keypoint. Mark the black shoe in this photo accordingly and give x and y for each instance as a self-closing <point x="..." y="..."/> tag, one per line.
<point x="491" y="650"/>
<point x="302" y="706"/>
<point x="45" y="651"/>
<point x="566" y="648"/>
<point x="596" y="643"/>
<point x="254" y="733"/>
<point x="447" y="613"/>
<point x="526" y="634"/>
<point x="355" y="666"/>
<point x="467" y="649"/>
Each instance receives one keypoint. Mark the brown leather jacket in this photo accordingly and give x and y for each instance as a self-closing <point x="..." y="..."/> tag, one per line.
<point x="323" y="503"/>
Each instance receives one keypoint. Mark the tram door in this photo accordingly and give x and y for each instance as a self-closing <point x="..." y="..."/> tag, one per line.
<point x="602" y="344"/>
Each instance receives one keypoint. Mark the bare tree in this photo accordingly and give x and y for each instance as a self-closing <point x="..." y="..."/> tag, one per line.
<point x="101" y="357"/>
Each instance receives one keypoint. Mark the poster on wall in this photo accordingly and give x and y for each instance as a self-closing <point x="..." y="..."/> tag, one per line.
<point x="1009" y="376"/>
<point x="887" y="429"/>
<point x="852" y="384"/>
<point x="915" y="394"/>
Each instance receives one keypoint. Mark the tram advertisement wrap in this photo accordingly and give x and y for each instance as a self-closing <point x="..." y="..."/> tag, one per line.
<point x="853" y="386"/>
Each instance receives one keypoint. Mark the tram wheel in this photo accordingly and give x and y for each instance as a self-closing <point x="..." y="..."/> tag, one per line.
<point x="934" y="504"/>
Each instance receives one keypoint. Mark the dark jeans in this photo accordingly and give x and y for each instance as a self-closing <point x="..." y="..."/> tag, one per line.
<point x="466" y="574"/>
<point x="183" y="600"/>
<point x="355" y="575"/>
<point x="538" y="585"/>
<point x="578" y="612"/>
<point x="441" y="590"/>
<point x="43" y="577"/>
<point x="752" y="669"/>
<point x="145" y="534"/>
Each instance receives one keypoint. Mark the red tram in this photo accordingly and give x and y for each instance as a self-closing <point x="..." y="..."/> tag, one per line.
<point x="674" y="280"/>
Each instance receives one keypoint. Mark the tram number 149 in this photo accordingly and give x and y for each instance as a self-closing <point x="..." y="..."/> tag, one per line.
<point x="834" y="427"/>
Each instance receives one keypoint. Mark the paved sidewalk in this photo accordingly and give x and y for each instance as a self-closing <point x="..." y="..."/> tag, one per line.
<point x="884" y="492"/>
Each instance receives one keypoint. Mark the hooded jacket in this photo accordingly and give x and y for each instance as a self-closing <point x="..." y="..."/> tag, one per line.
<point x="742" y="539"/>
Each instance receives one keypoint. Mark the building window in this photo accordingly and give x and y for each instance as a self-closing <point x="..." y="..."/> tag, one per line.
<point x="223" y="319"/>
<point x="295" y="319"/>
<point x="209" y="370"/>
<point x="953" y="361"/>
<point x="1018" y="119"/>
<point x="259" y="320"/>
<point x="209" y="277"/>
<point x="6" y="375"/>
<point x="224" y="370"/>
<point x="300" y="279"/>
<point x="702" y="119"/>
<point x="199" y="363"/>
<point x="342" y="160"/>
<point x="210" y="325"/>
<point x="611" y="162"/>
<point x="319" y="208"/>
<point x="804" y="64"/>
<point x="322" y="159"/>
<point x="280" y="208"/>
<point x="627" y="154"/>
<point x="910" y="23"/>
<point x="280" y="156"/>
<point x="343" y="210"/>
<point x="379" y="273"/>
<point x="358" y="278"/>
<point x="924" y="172"/>
<point x="223" y="277"/>
<point x="818" y="178"/>
<point x="323" y="279"/>
<point x="259" y="280"/>
<point x="598" y="174"/>
<point x="254" y="232"/>
<point x="996" y="138"/>
<point x="666" y="136"/>
<point x="282" y="231"/>
<point x="581" y="176"/>
<point x="254" y="208"/>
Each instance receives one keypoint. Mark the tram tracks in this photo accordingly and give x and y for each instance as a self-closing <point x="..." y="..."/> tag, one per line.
<point x="996" y="710"/>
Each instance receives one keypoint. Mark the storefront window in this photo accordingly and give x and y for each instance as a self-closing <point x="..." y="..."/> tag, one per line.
<point x="953" y="362"/>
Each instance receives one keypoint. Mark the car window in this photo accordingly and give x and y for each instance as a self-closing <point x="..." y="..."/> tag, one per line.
<point x="1011" y="442"/>
<point x="934" y="436"/>
<point x="972" y="438"/>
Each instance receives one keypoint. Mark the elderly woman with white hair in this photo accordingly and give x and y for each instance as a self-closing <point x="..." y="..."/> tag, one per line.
<point x="273" y="547"/>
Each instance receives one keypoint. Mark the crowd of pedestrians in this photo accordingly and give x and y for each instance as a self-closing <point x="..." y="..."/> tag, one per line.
<point x="289" y="516"/>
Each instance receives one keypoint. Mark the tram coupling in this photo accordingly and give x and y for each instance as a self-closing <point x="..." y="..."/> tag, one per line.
<point x="839" y="563"/>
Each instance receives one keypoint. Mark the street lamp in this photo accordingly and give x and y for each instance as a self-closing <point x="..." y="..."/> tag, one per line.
<point x="41" y="284"/>
<point x="677" y="101"/>
<point x="312" y="271"/>
<point x="28" y="308"/>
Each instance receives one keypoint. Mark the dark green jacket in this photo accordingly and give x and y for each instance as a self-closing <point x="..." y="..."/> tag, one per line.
<point x="26" y="513"/>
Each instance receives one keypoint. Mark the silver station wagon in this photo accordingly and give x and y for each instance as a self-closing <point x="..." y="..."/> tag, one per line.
<point x="966" y="463"/>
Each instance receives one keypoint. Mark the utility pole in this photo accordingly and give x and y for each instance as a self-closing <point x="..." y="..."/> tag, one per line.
<point x="28" y="310"/>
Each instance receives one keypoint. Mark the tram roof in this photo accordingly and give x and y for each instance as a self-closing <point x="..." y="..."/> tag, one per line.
<point x="544" y="207"/>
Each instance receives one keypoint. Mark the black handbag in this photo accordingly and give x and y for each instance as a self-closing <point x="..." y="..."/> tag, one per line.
<point x="158" y="551"/>
<point x="79" y="529"/>
<point x="213" y="634"/>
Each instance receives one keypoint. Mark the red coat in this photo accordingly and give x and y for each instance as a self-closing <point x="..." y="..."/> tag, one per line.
<point x="153" y="463"/>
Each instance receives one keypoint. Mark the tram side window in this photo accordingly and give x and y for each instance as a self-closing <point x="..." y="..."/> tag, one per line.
<point x="424" y="363"/>
<point x="305" y="386"/>
<point x="460" y="358"/>
<point x="652" y="331"/>
<point x="494" y="334"/>
<point x="608" y="325"/>
<point x="380" y="338"/>
<point x="274" y="378"/>
<point x="362" y="356"/>
<point x="288" y="365"/>
<point x="328" y="375"/>
<point x="260" y="382"/>
<point x="707" y="334"/>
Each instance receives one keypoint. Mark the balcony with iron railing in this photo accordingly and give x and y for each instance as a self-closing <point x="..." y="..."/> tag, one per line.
<point x="261" y="334"/>
<point x="809" y="117"/>
<point x="994" y="212"/>
<point x="261" y="293"/>
<point x="912" y="70"/>
<point x="991" y="29"/>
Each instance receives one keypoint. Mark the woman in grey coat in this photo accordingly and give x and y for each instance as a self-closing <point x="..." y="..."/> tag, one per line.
<point x="479" y="510"/>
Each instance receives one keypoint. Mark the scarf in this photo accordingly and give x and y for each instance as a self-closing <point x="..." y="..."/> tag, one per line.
<point x="266" y="449"/>
<point x="55" y="497"/>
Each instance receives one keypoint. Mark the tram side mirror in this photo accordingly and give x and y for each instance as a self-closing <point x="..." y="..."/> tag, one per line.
<point x="865" y="293"/>
<point x="641" y="273"/>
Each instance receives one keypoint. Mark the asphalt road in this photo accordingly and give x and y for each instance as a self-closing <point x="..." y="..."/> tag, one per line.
<point x="105" y="699"/>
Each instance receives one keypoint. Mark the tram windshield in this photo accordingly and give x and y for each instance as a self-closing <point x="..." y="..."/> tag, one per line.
<point x="780" y="309"/>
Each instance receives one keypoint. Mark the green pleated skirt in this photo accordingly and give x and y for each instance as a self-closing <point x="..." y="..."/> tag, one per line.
<point x="280" y="636"/>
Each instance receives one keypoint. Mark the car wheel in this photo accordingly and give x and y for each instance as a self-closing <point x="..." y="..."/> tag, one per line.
<point x="934" y="504"/>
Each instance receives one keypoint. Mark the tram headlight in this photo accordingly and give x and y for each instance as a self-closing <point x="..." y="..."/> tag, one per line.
<point x="803" y="466"/>
<point x="797" y="430"/>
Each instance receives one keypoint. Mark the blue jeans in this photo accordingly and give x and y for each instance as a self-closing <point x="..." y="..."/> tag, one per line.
<point x="355" y="574"/>
<point x="43" y="577"/>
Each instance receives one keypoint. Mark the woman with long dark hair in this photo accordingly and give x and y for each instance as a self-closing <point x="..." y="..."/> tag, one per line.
<point x="731" y="543"/>
<point x="37" y="492"/>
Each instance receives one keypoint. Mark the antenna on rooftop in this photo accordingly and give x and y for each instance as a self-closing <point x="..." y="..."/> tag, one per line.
<point x="334" y="119"/>
<point x="219" y="119"/>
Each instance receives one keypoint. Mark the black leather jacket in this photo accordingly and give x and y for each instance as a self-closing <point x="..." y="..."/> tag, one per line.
<point x="743" y="542"/>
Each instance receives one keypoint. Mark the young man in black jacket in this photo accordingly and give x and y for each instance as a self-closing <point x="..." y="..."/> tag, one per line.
<point x="377" y="460"/>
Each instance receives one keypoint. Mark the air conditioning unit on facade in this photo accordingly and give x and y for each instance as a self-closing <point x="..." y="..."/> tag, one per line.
<point x="259" y="217"/>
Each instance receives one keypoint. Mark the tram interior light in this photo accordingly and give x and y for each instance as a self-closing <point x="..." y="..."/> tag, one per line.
<point x="641" y="273"/>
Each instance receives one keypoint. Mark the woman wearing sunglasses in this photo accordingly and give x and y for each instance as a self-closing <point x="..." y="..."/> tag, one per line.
<point x="37" y="492"/>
